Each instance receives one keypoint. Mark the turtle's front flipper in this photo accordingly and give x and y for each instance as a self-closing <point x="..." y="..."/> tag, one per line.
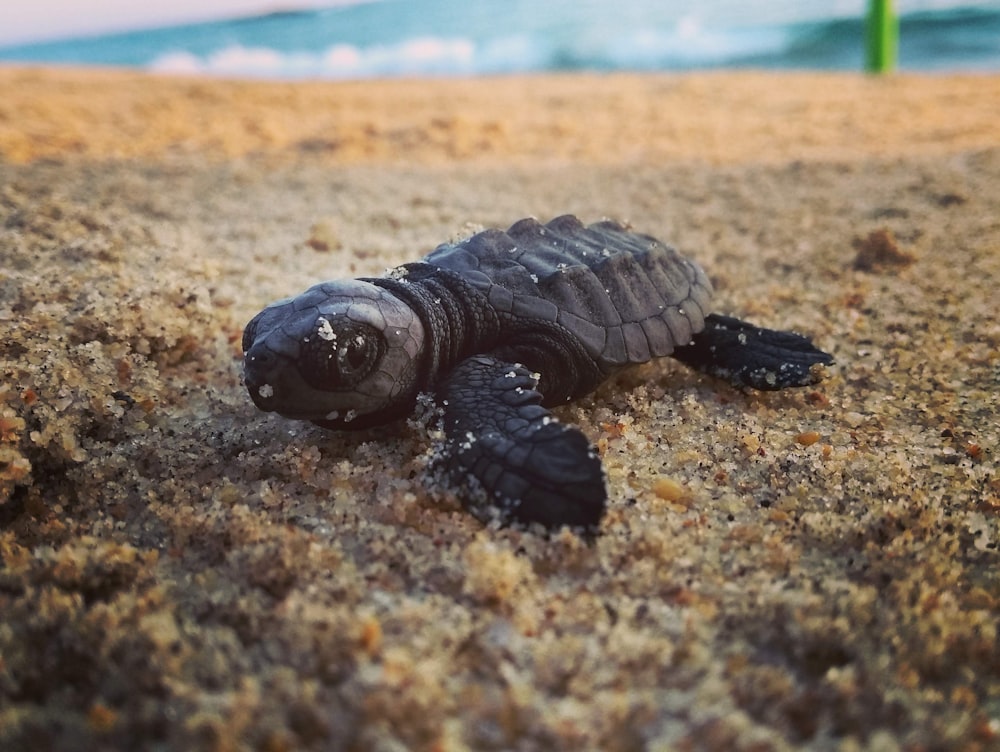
<point x="747" y="355"/>
<point x="506" y="455"/>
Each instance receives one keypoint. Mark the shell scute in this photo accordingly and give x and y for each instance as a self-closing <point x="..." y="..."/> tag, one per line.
<point x="592" y="336"/>
<point x="500" y="298"/>
<point x="658" y="336"/>
<point x="680" y="326"/>
<point x="535" y="308"/>
<point x="614" y="351"/>
<point x="636" y="344"/>
<point x="579" y="291"/>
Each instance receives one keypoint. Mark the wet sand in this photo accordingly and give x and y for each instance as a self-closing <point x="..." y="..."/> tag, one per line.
<point x="808" y="569"/>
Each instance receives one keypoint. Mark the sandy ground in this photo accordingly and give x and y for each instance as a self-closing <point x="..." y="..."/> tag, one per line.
<point x="813" y="569"/>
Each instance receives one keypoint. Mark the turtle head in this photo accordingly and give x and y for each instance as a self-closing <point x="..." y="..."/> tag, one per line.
<point x="344" y="354"/>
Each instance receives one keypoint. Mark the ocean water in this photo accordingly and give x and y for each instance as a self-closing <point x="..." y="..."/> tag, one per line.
<point x="379" y="38"/>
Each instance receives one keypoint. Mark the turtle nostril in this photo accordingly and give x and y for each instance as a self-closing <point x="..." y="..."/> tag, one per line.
<point x="260" y="356"/>
<point x="256" y="363"/>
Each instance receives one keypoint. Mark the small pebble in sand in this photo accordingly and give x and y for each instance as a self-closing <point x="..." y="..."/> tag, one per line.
<point x="670" y="490"/>
<point x="323" y="236"/>
<point x="879" y="252"/>
<point x="807" y="438"/>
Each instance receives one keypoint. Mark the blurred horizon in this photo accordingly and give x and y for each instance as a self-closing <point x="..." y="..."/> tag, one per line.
<point x="387" y="38"/>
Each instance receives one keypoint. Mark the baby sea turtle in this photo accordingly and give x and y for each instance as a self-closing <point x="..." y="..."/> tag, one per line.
<point x="498" y="328"/>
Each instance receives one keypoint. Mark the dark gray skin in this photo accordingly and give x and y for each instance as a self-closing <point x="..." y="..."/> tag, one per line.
<point x="499" y="327"/>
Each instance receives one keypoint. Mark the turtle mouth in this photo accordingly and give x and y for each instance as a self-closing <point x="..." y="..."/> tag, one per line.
<point x="261" y="395"/>
<point x="276" y="391"/>
<point x="256" y="366"/>
<point x="261" y="392"/>
<point x="267" y="388"/>
<point x="264" y="397"/>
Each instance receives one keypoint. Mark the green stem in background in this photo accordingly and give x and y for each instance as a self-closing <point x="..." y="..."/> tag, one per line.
<point x="882" y="32"/>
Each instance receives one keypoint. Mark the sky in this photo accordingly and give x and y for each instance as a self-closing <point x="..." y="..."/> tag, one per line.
<point x="42" y="20"/>
<point x="38" y="20"/>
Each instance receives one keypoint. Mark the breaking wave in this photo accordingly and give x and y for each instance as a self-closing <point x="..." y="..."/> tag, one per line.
<point x="381" y="38"/>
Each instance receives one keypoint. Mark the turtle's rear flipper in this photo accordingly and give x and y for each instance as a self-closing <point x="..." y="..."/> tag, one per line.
<point x="747" y="355"/>
<point x="508" y="458"/>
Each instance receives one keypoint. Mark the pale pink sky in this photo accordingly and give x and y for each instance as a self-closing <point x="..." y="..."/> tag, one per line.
<point x="37" y="20"/>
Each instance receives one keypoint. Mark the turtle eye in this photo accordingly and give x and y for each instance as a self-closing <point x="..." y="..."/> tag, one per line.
<point x="339" y="353"/>
<point x="357" y="356"/>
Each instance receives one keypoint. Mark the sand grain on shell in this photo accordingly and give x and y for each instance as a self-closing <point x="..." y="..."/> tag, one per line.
<point x="806" y="569"/>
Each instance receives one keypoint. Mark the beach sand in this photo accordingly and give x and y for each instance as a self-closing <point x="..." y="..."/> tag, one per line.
<point x="816" y="568"/>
